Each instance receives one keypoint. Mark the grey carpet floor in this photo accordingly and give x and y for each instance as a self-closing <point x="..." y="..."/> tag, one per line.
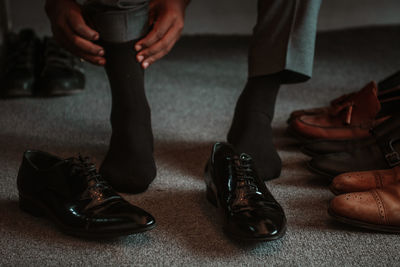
<point x="192" y="93"/>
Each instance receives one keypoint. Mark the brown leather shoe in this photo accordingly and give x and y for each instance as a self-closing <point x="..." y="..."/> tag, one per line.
<point x="365" y="180"/>
<point x="376" y="209"/>
<point x="321" y="110"/>
<point x="351" y="120"/>
<point x="388" y="83"/>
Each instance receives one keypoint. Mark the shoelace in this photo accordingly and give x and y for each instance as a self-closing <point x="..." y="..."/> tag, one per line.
<point x="83" y="167"/>
<point x="246" y="185"/>
<point x="95" y="190"/>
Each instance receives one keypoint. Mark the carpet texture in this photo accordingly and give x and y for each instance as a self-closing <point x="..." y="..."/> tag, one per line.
<point x="192" y="94"/>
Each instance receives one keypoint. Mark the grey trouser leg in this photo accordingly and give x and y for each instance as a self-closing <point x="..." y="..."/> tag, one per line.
<point x="284" y="39"/>
<point x="117" y="20"/>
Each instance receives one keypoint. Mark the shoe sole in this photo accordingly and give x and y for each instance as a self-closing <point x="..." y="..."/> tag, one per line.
<point x="319" y="172"/>
<point x="310" y="153"/>
<point x="361" y="224"/>
<point x="16" y="93"/>
<point x="213" y="201"/>
<point x="59" y="92"/>
<point x="302" y="139"/>
<point x="38" y="209"/>
<point x="56" y="93"/>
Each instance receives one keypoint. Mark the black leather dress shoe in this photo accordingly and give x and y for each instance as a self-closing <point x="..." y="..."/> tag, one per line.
<point x="23" y="53"/>
<point x="71" y="193"/>
<point x="249" y="210"/>
<point x="61" y="72"/>
<point x="383" y="153"/>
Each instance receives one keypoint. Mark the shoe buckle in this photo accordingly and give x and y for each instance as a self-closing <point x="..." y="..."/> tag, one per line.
<point x="392" y="158"/>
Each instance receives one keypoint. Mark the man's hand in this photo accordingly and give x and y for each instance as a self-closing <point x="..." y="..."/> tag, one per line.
<point x="167" y="18"/>
<point x="72" y="32"/>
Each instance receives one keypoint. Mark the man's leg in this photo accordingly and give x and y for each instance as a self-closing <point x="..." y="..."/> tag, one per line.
<point x="282" y="51"/>
<point x="129" y="164"/>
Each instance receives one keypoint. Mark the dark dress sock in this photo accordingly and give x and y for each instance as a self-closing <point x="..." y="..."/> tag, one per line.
<point x="129" y="164"/>
<point x="251" y="131"/>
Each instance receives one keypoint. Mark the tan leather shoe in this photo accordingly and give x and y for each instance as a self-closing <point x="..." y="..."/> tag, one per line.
<point x="376" y="209"/>
<point x="351" y="120"/>
<point x="365" y="180"/>
<point x="385" y="86"/>
<point x="321" y="110"/>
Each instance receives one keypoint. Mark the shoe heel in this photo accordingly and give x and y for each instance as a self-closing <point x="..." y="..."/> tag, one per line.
<point x="25" y="204"/>
<point x="211" y="196"/>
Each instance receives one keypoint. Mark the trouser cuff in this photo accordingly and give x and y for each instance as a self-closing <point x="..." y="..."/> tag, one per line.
<point x="116" y="25"/>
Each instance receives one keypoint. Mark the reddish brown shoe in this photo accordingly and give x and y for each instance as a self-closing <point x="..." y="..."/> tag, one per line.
<point x="385" y="86"/>
<point x="351" y="120"/>
<point x="365" y="180"/>
<point x="376" y="209"/>
<point x="321" y="110"/>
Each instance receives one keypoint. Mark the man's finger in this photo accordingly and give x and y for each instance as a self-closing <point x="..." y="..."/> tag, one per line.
<point x="152" y="17"/>
<point x="87" y="46"/>
<point x="161" y="26"/>
<point x="78" y="43"/>
<point x="156" y="57"/>
<point x="153" y="58"/>
<point x="79" y="26"/>
<point x="165" y="44"/>
<point x="63" y="40"/>
<point x="92" y="59"/>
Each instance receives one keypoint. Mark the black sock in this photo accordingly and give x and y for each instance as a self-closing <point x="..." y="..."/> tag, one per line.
<point x="129" y="164"/>
<point x="251" y="131"/>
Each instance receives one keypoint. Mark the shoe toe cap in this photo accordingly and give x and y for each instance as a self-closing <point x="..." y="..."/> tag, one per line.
<point x="121" y="219"/>
<point x="258" y="226"/>
<point x="357" y="206"/>
<point x="353" y="182"/>
<point x="133" y="217"/>
<point x="22" y="81"/>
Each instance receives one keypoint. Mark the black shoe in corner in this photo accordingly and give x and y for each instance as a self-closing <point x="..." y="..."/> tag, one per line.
<point x="75" y="197"/>
<point x="249" y="210"/>
<point x="21" y="66"/>
<point x="61" y="72"/>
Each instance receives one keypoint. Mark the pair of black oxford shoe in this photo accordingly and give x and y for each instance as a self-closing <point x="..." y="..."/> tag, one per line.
<point x="35" y="67"/>
<point x="77" y="198"/>
<point x="381" y="150"/>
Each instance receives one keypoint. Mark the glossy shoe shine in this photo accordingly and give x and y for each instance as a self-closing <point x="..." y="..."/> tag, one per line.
<point x="71" y="193"/>
<point x="250" y="212"/>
